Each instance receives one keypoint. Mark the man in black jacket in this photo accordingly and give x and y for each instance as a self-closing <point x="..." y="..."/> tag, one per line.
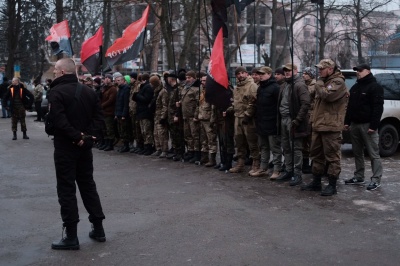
<point x="75" y="130"/>
<point x="363" y="115"/>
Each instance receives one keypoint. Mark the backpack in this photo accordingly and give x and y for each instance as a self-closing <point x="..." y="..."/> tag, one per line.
<point x="49" y="121"/>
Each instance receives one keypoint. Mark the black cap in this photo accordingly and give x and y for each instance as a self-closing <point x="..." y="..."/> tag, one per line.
<point x="133" y="75"/>
<point x="361" y="67"/>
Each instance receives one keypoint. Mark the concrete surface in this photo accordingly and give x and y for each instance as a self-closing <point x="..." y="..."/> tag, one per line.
<point x="160" y="212"/>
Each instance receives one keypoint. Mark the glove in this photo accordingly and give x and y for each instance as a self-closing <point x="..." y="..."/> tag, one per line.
<point x="163" y="121"/>
<point x="246" y="120"/>
<point x="295" y="123"/>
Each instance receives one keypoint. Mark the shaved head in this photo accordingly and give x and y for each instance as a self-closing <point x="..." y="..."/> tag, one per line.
<point x="64" y="66"/>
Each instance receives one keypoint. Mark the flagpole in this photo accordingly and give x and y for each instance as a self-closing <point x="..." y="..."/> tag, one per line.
<point x="199" y="70"/>
<point x="237" y="34"/>
<point x="172" y="36"/>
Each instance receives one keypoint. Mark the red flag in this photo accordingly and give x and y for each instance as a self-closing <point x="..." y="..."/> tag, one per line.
<point x="130" y="44"/>
<point x="60" y="38"/>
<point x="91" y="52"/>
<point x="217" y="91"/>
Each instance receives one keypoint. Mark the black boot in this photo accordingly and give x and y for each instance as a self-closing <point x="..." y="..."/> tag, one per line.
<point x="228" y="163"/>
<point x="24" y="136"/>
<point x="110" y="145"/>
<point x="149" y="149"/>
<point x="97" y="232"/>
<point x="103" y="144"/>
<point x="285" y="177"/>
<point x="188" y="156"/>
<point x="296" y="180"/>
<point x="14" y="135"/>
<point x="223" y="159"/>
<point x="306" y="168"/>
<point x="125" y="148"/>
<point x="314" y="185"/>
<point x="69" y="242"/>
<point x="330" y="189"/>
<point x="196" y="157"/>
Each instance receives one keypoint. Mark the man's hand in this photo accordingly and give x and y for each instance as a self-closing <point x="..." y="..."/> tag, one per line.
<point x="346" y="127"/>
<point x="370" y="131"/>
<point x="295" y="123"/>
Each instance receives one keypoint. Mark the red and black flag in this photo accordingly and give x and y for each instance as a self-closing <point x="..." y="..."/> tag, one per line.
<point x="219" y="16"/>
<point x="130" y="44"/>
<point x="91" y="52"/>
<point x="59" y="38"/>
<point x="217" y="91"/>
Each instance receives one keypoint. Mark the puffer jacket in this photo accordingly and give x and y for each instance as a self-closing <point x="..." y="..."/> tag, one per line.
<point x="189" y="98"/>
<point x="331" y="97"/>
<point x="299" y="103"/>
<point x="365" y="103"/>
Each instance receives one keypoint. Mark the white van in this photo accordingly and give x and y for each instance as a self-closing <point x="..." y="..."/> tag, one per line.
<point x="389" y="127"/>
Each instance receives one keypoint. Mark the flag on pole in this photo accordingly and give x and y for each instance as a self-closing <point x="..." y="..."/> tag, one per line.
<point x="217" y="92"/>
<point x="219" y="16"/>
<point x="130" y="44"/>
<point x="240" y="5"/>
<point x="59" y="38"/>
<point x="91" y="55"/>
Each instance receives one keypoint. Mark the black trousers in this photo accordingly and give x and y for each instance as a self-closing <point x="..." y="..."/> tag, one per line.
<point x="75" y="167"/>
<point x="38" y="109"/>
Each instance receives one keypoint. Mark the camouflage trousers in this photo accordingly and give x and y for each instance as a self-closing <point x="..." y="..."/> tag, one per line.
<point x="208" y="137"/>
<point x="136" y="134"/>
<point x="191" y="131"/>
<point x="176" y="135"/>
<point x="109" y="132"/>
<point x="246" y="136"/>
<point x="161" y="137"/>
<point x="124" y="129"/>
<point x="18" y="114"/>
<point x="146" y="127"/>
<point x="325" y="150"/>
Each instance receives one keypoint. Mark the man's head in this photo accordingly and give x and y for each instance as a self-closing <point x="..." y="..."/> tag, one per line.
<point x="308" y="73"/>
<point x="15" y="81"/>
<point x="64" y="66"/>
<point x="362" y="70"/>
<point x="290" y="70"/>
<point x="326" y="67"/>
<point x="120" y="80"/>
<point x="190" y="76"/>
<point x="108" y="79"/>
<point x="155" y="81"/>
<point x="203" y="80"/>
<point x="264" y="73"/>
<point x="279" y="74"/>
<point x="88" y="81"/>
<point x="172" y="79"/>
<point x="241" y="73"/>
<point x="255" y="75"/>
<point x="133" y="76"/>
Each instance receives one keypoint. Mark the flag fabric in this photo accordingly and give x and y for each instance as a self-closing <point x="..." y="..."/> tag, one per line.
<point x="240" y="5"/>
<point x="219" y="17"/>
<point x="91" y="52"/>
<point x="130" y="44"/>
<point x="59" y="38"/>
<point x="217" y="91"/>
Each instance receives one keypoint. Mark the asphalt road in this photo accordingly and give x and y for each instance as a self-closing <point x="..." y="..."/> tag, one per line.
<point x="160" y="212"/>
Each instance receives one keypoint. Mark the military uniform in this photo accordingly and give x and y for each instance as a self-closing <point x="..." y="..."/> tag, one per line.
<point x="38" y="94"/>
<point x="175" y="128"/>
<point x="161" y="120"/>
<point x="136" y="132"/>
<point x="108" y="99"/>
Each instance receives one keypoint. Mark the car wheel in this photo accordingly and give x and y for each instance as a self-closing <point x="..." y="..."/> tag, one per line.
<point x="388" y="140"/>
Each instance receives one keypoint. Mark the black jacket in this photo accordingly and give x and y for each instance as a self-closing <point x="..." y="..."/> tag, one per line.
<point x="267" y="107"/>
<point x="365" y="102"/>
<point x="87" y="117"/>
<point x="143" y="99"/>
<point x="122" y="101"/>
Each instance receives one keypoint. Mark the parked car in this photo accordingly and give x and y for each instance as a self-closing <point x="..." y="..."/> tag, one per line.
<point x="389" y="127"/>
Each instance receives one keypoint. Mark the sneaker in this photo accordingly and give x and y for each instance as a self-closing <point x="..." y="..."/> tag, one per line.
<point x="373" y="186"/>
<point x="354" y="181"/>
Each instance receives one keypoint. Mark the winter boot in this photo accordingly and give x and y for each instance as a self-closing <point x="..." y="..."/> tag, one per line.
<point x="306" y="166"/>
<point x="314" y="185"/>
<point x="24" y="136"/>
<point x="97" y="232"/>
<point x="330" y="189"/>
<point x="196" y="157"/>
<point x="156" y="153"/>
<point x="295" y="180"/>
<point x="103" y="145"/>
<point x="227" y="163"/>
<point x="139" y="148"/>
<point x="124" y="148"/>
<point x="110" y="145"/>
<point x="188" y="156"/>
<point x="286" y="176"/>
<point x="211" y="160"/>
<point x="177" y="158"/>
<point x="255" y="166"/>
<point x="221" y="164"/>
<point x="14" y="135"/>
<point x="69" y="242"/>
<point x="239" y="166"/>
<point x="149" y="150"/>
<point x="204" y="158"/>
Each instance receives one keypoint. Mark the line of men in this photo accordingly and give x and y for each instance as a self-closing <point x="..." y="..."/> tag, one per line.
<point x="295" y="118"/>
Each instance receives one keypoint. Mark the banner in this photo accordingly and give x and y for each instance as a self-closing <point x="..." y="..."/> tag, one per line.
<point x="60" y="38"/>
<point x="91" y="55"/>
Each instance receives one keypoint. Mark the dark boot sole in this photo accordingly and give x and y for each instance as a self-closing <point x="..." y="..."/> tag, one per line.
<point x="65" y="248"/>
<point x="98" y="239"/>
